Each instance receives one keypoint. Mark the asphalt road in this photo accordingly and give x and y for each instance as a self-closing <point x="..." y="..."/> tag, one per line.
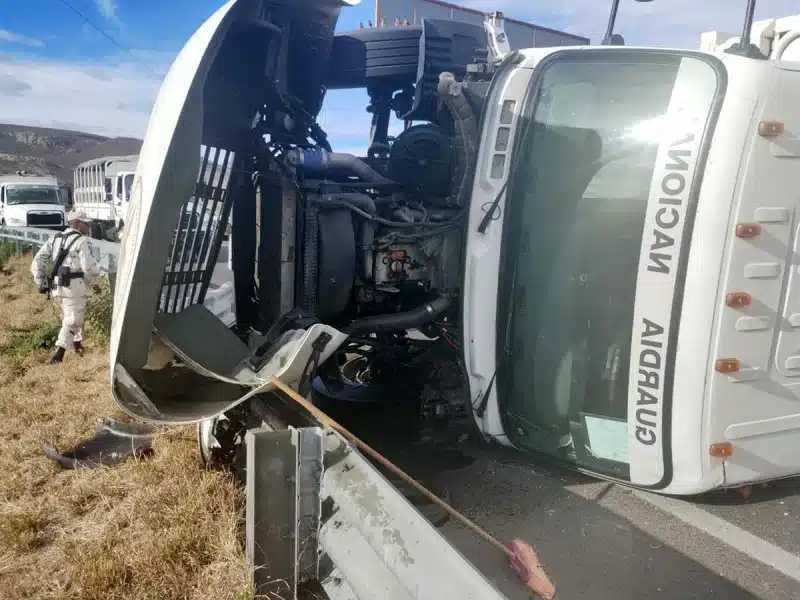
<point x="601" y="541"/>
<point x="222" y="273"/>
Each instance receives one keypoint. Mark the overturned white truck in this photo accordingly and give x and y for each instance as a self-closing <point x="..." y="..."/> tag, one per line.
<point x="568" y="250"/>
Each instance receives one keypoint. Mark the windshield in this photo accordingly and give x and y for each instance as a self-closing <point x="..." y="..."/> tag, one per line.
<point x="583" y="203"/>
<point x="128" y="186"/>
<point x="32" y="194"/>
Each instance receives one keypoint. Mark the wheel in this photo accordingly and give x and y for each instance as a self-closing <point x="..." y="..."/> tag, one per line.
<point x="206" y="442"/>
<point x="357" y="386"/>
<point x="220" y="441"/>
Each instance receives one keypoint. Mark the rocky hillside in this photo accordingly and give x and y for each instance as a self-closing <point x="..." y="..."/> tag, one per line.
<point x="42" y="151"/>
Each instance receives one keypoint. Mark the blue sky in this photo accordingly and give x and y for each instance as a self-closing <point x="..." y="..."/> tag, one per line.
<point x="55" y="70"/>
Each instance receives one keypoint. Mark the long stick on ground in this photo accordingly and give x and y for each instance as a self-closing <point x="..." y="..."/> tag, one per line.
<point x="363" y="446"/>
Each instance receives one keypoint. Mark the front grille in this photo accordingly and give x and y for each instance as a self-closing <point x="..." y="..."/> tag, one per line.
<point x="44" y="219"/>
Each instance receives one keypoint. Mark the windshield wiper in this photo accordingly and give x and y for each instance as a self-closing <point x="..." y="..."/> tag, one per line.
<point x="489" y="216"/>
<point x="481" y="408"/>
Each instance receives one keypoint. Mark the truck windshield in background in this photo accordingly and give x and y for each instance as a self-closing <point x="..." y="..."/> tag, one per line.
<point x="32" y="194"/>
<point x="128" y="185"/>
<point x="593" y="211"/>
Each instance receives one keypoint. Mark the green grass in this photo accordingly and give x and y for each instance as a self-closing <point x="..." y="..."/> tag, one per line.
<point x="7" y="250"/>
<point x="26" y="340"/>
<point x="99" y="309"/>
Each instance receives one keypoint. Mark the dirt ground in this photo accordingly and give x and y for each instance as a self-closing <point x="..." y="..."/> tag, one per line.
<point x="158" y="528"/>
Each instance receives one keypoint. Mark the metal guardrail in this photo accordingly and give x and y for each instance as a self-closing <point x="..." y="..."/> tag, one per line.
<point x="105" y="253"/>
<point x="318" y="511"/>
<point x="218" y="300"/>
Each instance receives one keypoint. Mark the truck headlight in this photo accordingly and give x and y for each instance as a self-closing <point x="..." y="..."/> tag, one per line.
<point x="15" y="221"/>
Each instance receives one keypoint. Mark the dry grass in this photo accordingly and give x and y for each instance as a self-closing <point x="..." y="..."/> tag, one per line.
<point x="158" y="528"/>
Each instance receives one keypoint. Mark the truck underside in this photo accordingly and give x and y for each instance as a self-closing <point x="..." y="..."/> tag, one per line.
<point x="347" y="270"/>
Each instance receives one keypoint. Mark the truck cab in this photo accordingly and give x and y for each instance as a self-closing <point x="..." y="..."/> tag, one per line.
<point x="31" y="201"/>
<point x="585" y="253"/>
<point x="118" y="185"/>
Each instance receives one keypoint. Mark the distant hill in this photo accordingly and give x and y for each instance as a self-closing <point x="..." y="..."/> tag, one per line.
<point x="43" y="151"/>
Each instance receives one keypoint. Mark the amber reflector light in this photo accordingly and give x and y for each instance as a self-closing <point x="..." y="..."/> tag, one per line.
<point x="721" y="450"/>
<point x="727" y="365"/>
<point x="748" y="230"/>
<point x="738" y="299"/>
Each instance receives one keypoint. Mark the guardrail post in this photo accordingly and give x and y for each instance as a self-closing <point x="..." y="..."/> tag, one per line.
<point x="283" y="508"/>
<point x="341" y="523"/>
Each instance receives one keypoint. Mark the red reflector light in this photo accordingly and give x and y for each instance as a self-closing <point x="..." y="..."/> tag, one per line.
<point x="770" y="128"/>
<point x="738" y="299"/>
<point x="727" y="365"/>
<point x="721" y="450"/>
<point x="748" y="230"/>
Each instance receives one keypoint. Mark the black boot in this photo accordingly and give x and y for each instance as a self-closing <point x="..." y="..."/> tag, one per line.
<point x="78" y="346"/>
<point x="57" y="357"/>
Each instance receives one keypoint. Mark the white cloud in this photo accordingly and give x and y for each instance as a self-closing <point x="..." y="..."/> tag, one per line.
<point x="111" y="98"/>
<point x="17" y="38"/>
<point x="114" y="96"/>
<point x="108" y="8"/>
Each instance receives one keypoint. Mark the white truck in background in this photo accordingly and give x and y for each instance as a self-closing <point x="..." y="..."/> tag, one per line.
<point x="119" y="178"/>
<point x="31" y="201"/>
<point x="101" y="191"/>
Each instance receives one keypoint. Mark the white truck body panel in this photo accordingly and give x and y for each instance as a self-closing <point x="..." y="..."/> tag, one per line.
<point x="775" y="38"/>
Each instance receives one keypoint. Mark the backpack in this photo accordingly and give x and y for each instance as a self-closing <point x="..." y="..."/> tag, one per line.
<point x="61" y="257"/>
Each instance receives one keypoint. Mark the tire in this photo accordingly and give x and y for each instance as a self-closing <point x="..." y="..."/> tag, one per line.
<point x="359" y="405"/>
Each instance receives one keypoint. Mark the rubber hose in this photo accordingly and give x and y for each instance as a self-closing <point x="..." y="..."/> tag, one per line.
<point x="321" y="161"/>
<point x="466" y="125"/>
<point x="400" y="321"/>
<point x="361" y="200"/>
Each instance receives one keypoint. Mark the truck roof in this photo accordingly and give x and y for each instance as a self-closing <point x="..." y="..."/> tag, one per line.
<point x="121" y="166"/>
<point x="107" y="160"/>
<point x="30" y="179"/>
